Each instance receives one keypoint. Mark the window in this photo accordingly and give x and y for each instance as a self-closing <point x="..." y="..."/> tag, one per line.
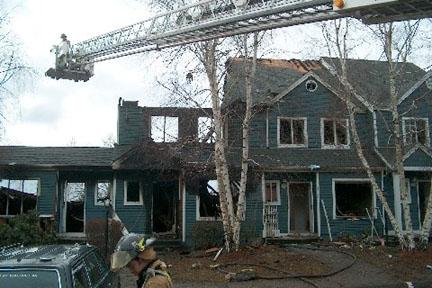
<point x="95" y="270"/>
<point x="416" y="131"/>
<point x="272" y="193"/>
<point x="164" y="129"/>
<point x="206" y="132"/>
<point x="353" y="198"/>
<point x="18" y="196"/>
<point x="208" y="201"/>
<point x="334" y="133"/>
<point x="292" y="132"/>
<point x="311" y="85"/>
<point x="132" y="193"/>
<point x="80" y="279"/>
<point x="102" y="192"/>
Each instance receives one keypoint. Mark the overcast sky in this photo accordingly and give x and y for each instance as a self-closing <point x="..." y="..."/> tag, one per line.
<point x="58" y="113"/>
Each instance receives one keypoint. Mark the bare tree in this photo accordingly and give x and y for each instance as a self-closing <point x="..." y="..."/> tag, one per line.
<point x="338" y="42"/>
<point x="13" y="69"/>
<point x="212" y="57"/>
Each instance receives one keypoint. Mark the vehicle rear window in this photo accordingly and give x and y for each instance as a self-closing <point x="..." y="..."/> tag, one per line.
<point x="18" y="278"/>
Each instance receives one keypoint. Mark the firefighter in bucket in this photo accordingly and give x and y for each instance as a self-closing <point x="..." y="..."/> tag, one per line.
<point x="137" y="254"/>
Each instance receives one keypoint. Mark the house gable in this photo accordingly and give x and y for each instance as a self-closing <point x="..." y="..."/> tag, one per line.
<point x="418" y="157"/>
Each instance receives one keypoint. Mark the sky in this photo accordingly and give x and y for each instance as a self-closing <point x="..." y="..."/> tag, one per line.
<point x="63" y="113"/>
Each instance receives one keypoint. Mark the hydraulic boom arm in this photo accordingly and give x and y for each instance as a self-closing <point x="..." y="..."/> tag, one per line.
<point x="212" y="19"/>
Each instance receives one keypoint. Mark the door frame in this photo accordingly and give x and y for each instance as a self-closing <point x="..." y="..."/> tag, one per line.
<point x="418" y="200"/>
<point x="310" y="204"/>
<point x="64" y="208"/>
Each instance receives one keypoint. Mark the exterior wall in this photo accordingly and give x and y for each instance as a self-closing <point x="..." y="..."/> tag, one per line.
<point x="130" y="123"/>
<point x="418" y="159"/>
<point x="299" y="103"/>
<point x="421" y="109"/>
<point x="136" y="218"/>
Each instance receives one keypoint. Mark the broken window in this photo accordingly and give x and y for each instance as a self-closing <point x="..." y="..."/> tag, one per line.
<point x="272" y="193"/>
<point x="164" y="129"/>
<point x="352" y="198"/>
<point x="132" y="193"/>
<point x="292" y="131"/>
<point x="18" y="196"/>
<point x="74" y="196"/>
<point x="206" y="132"/>
<point x="103" y="192"/>
<point x="335" y="132"/>
<point x="208" y="200"/>
<point x="416" y="131"/>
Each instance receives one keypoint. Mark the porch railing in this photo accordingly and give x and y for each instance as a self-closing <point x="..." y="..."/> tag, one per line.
<point x="271" y="227"/>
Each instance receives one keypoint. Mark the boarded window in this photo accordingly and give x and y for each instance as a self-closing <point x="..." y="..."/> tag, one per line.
<point x="206" y="132"/>
<point x="292" y="131"/>
<point x="209" y="200"/>
<point x="164" y="129"/>
<point x="18" y="196"/>
<point x="272" y="192"/>
<point x="103" y="192"/>
<point x="335" y="132"/>
<point x="352" y="199"/>
<point x="416" y="131"/>
<point x="133" y="192"/>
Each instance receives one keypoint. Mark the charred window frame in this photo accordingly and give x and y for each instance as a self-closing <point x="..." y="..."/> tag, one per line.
<point x="292" y="132"/>
<point x="18" y="196"/>
<point x="351" y="197"/>
<point x="206" y="130"/>
<point x="164" y="129"/>
<point x="335" y="133"/>
<point x="272" y="192"/>
<point x="207" y="201"/>
<point x="416" y="131"/>
<point x="132" y="193"/>
<point x="103" y="192"/>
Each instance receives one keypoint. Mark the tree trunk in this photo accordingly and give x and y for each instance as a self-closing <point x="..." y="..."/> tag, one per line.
<point x="250" y="69"/>
<point x="426" y="225"/>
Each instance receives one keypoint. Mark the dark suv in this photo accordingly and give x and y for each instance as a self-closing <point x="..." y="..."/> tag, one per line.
<point x="55" y="266"/>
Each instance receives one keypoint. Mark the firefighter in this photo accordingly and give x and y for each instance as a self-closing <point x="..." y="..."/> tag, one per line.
<point x="63" y="52"/>
<point x="137" y="254"/>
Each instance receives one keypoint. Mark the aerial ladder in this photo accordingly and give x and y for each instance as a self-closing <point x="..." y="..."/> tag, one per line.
<point x="211" y="19"/>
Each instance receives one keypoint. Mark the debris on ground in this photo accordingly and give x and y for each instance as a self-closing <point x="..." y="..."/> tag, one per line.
<point x="212" y="250"/>
<point x="196" y="265"/>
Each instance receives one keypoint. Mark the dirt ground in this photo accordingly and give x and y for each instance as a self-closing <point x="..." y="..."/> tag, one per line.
<point x="374" y="266"/>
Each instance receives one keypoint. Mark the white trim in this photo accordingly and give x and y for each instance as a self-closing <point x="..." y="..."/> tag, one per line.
<point x="311" y="81"/>
<point x="305" y="132"/>
<point x="383" y="158"/>
<point x="277" y="182"/>
<point x="351" y="180"/>
<point x="404" y="132"/>
<point x="415" y="87"/>
<point x="318" y="193"/>
<point x="140" y="188"/>
<point x="267" y="128"/>
<point x="375" y="125"/>
<point x="421" y="169"/>
<point x="113" y="202"/>
<point x="335" y="146"/>
<point x="110" y="192"/>
<point x="183" y="197"/>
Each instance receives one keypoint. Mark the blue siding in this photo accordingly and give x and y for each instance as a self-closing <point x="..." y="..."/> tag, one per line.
<point x="418" y="159"/>
<point x="130" y="124"/>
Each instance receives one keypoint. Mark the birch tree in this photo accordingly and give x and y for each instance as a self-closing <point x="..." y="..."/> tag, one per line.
<point x="212" y="56"/>
<point x="397" y="44"/>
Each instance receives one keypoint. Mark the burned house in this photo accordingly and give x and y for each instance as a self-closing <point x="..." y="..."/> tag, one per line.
<point x="305" y="177"/>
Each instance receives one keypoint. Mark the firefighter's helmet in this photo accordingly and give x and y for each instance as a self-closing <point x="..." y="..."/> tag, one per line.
<point x="129" y="247"/>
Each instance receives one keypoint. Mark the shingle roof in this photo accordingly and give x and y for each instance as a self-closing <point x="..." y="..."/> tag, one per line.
<point x="368" y="77"/>
<point x="56" y="156"/>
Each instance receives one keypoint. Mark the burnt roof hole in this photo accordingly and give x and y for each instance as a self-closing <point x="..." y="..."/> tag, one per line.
<point x="311" y="85"/>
